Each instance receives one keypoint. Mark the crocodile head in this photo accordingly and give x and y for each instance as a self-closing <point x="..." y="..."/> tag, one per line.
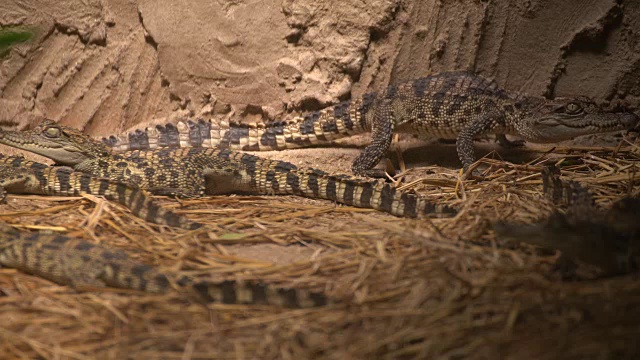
<point x="62" y="144"/>
<point x="566" y="118"/>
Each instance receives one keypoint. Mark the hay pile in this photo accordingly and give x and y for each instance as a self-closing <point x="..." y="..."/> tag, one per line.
<point x="440" y="288"/>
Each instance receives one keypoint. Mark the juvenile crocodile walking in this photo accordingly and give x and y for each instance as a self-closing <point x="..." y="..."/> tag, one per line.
<point x="81" y="264"/>
<point x="452" y="105"/>
<point x="192" y="172"/>
<point x="20" y="176"/>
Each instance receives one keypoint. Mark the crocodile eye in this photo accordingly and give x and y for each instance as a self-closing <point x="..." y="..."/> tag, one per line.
<point x="573" y="108"/>
<point x="52" y="132"/>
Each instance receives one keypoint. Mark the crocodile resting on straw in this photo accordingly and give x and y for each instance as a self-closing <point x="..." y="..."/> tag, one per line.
<point x="608" y="239"/>
<point x="192" y="172"/>
<point x="452" y="105"/>
<point x="81" y="264"/>
<point x="20" y="176"/>
<point x="75" y="262"/>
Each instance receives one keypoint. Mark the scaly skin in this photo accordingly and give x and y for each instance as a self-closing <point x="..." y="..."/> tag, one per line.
<point x="608" y="239"/>
<point x="81" y="264"/>
<point x="19" y="176"/>
<point x="452" y="105"/>
<point x="201" y="171"/>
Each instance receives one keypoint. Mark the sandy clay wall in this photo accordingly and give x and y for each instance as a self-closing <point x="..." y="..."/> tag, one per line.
<point x="107" y="65"/>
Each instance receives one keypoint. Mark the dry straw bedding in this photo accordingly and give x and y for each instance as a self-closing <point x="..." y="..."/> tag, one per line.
<point x="440" y="288"/>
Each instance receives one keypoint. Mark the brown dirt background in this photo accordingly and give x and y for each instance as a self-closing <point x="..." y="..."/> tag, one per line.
<point x="109" y="65"/>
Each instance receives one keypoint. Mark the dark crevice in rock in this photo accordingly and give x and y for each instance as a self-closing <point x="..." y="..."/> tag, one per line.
<point x="380" y="30"/>
<point x="147" y="35"/>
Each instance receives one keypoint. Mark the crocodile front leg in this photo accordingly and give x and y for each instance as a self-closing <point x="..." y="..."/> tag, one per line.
<point x="381" y="134"/>
<point x="464" y="142"/>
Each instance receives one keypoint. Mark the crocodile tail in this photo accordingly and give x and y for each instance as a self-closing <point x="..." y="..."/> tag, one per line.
<point x="139" y="202"/>
<point x="147" y="279"/>
<point x="141" y="205"/>
<point x="283" y="178"/>
<point x="79" y="263"/>
<point x="76" y="262"/>
<point x="64" y="181"/>
<point x="365" y="193"/>
<point x="241" y="292"/>
<point x="316" y="128"/>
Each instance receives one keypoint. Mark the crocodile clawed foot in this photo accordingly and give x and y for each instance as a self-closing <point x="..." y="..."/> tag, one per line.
<point x="509" y="144"/>
<point x="388" y="173"/>
<point x="471" y="173"/>
<point x="376" y="174"/>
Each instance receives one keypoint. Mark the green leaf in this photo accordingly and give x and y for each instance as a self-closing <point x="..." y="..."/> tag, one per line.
<point x="12" y="36"/>
<point x="232" y="236"/>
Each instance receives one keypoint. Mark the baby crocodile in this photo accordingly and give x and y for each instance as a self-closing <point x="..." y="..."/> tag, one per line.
<point x="80" y="264"/>
<point x="201" y="171"/>
<point x="450" y="105"/>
